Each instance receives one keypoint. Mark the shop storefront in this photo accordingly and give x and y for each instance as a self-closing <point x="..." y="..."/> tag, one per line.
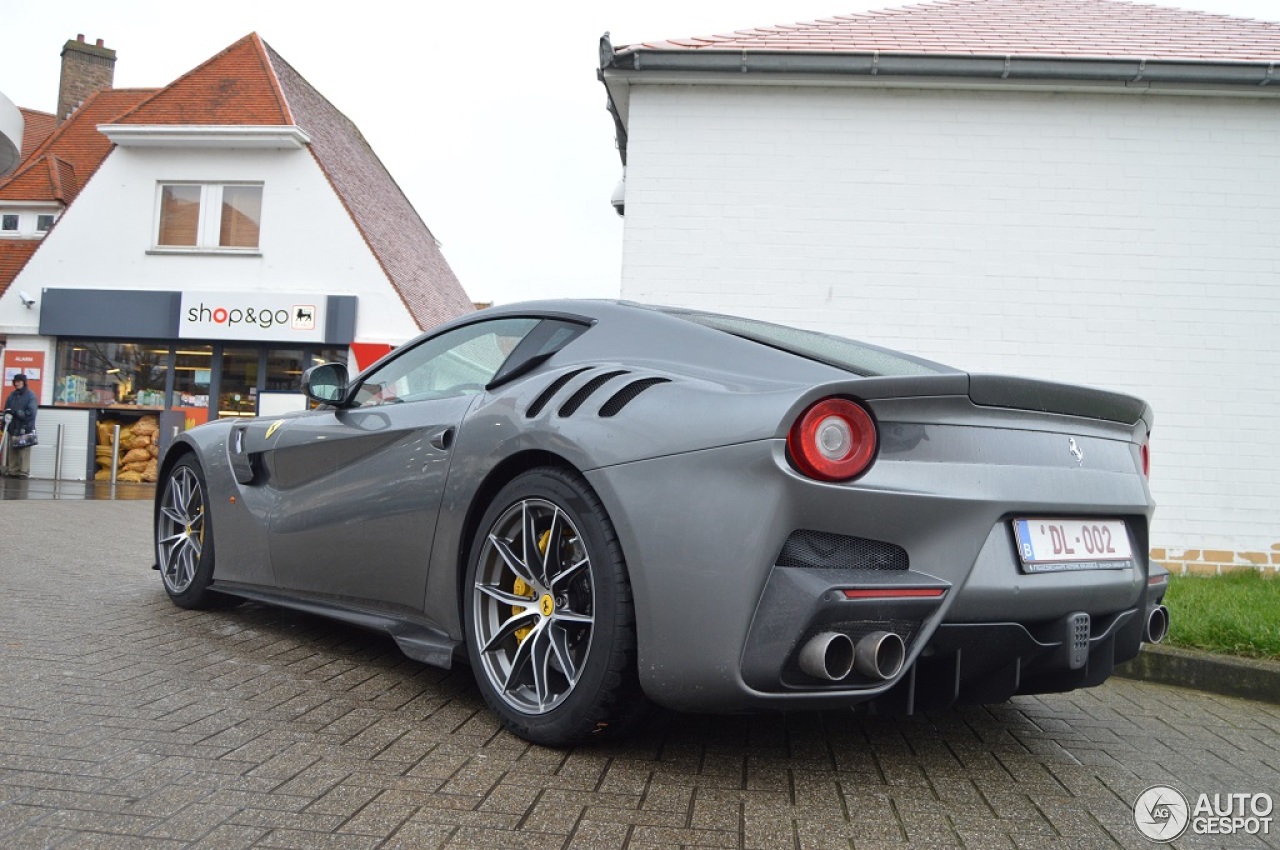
<point x="192" y="282"/>
<point x="168" y="361"/>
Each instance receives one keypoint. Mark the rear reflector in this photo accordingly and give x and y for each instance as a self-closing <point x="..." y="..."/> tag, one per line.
<point x="894" y="592"/>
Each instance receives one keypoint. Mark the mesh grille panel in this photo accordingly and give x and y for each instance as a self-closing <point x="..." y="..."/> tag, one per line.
<point x="822" y="550"/>
<point x="556" y="385"/>
<point x="624" y="396"/>
<point x="584" y="392"/>
<point x="858" y="629"/>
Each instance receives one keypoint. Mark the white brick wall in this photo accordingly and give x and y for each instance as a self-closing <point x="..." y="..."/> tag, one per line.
<point x="1122" y="241"/>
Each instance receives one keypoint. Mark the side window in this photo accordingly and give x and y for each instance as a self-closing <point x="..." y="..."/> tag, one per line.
<point x="459" y="362"/>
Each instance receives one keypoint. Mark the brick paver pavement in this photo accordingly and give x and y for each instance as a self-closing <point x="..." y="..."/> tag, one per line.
<point x="128" y="723"/>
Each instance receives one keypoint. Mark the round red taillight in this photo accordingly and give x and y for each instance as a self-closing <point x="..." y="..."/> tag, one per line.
<point x="833" y="440"/>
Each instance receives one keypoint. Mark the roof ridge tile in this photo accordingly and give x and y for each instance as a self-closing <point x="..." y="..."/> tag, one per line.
<point x="236" y="86"/>
<point x="1097" y="28"/>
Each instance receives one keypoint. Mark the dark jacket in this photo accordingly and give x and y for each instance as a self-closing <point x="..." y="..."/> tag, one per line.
<point x="22" y="404"/>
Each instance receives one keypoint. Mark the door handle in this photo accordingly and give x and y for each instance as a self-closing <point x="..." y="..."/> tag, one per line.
<point x="442" y="439"/>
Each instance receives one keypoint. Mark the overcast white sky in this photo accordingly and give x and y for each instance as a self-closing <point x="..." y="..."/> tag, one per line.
<point x="489" y="115"/>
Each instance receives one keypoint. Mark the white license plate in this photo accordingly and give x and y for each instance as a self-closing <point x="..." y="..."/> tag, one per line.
<point x="1050" y="545"/>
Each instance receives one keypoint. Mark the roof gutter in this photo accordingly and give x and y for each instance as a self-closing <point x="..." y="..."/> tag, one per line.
<point x="622" y="68"/>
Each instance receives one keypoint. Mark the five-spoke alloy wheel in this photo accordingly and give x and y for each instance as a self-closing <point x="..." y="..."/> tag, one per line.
<point x="184" y="538"/>
<point x="550" y="624"/>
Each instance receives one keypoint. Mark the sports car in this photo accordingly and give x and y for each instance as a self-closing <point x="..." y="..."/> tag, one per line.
<point x="605" y="506"/>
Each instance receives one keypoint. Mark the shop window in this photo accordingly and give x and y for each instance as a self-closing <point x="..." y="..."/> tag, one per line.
<point x="209" y="216"/>
<point x="328" y="355"/>
<point x="238" y="390"/>
<point x="284" y="370"/>
<point x="110" y="374"/>
<point x="192" y="375"/>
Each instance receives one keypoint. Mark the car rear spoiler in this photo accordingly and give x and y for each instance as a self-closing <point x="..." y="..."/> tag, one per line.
<point x="1050" y="397"/>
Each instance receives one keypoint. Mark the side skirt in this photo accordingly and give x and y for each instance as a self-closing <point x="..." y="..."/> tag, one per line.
<point x="419" y="641"/>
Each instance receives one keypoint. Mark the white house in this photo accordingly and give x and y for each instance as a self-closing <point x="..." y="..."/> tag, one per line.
<point x="187" y="251"/>
<point x="1078" y="190"/>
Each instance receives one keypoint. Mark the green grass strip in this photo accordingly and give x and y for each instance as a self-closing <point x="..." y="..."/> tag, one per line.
<point x="1237" y="613"/>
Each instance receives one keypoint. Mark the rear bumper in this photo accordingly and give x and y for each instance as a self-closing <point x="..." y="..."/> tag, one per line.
<point x="949" y="662"/>
<point x="722" y="615"/>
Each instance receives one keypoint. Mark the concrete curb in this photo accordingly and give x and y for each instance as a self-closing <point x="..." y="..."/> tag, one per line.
<point x="1246" y="678"/>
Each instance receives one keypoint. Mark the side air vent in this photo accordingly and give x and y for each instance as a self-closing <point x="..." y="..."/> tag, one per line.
<point x="623" y="397"/>
<point x="584" y="392"/>
<point x="822" y="550"/>
<point x="547" y="394"/>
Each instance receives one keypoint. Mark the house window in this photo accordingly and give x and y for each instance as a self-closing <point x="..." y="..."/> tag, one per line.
<point x="209" y="216"/>
<point x="9" y="223"/>
<point x="43" y="223"/>
<point x="240" y="216"/>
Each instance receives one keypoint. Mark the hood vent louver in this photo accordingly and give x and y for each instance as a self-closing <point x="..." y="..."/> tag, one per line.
<point x="584" y="392"/>
<point x="624" y="396"/>
<point x="547" y="394"/>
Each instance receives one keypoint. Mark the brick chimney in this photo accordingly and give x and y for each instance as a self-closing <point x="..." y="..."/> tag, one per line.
<point x="85" y="69"/>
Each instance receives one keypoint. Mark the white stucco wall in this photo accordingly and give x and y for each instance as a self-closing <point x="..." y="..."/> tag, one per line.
<point x="309" y="243"/>
<point x="1122" y="241"/>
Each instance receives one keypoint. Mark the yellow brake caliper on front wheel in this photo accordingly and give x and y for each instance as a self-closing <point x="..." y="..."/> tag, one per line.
<point x="522" y="589"/>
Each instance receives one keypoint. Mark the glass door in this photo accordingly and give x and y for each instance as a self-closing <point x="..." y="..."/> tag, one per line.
<point x="238" y="383"/>
<point x="284" y="370"/>
<point x="192" y="375"/>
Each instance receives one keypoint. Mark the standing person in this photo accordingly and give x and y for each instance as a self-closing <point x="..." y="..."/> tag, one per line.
<point x="20" y="418"/>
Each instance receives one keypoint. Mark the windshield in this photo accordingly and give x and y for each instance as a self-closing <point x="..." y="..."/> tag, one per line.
<point x="857" y="357"/>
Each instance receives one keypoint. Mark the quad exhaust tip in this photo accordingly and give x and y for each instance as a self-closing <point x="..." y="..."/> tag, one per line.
<point x="1157" y="624"/>
<point x="833" y="656"/>
<point x="880" y="655"/>
<point x="828" y="656"/>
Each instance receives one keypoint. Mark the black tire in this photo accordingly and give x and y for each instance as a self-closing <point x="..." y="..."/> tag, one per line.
<point x="184" y="538"/>
<point x="551" y="629"/>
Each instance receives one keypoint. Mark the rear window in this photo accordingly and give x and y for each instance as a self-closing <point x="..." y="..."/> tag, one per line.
<point x="850" y="355"/>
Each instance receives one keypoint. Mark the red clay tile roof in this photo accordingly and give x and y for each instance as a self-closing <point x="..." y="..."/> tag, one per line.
<point x="14" y="254"/>
<point x="397" y="236"/>
<point x="1075" y="28"/>
<point x="249" y="84"/>
<point x="37" y="126"/>
<point x="58" y="168"/>
<point x="64" y="162"/>
<point x="238" y="86"/>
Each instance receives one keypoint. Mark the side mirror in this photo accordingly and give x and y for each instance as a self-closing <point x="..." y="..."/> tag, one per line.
<point x="326" y="383"/>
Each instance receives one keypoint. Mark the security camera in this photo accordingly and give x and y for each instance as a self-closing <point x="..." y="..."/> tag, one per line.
<point x="619" y="197"/>
<point x="27" y="300"/>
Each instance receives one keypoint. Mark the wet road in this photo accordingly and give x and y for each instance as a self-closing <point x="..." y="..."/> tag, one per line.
<point x="128" y="723"/>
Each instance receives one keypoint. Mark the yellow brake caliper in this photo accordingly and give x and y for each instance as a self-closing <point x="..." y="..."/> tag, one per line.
<point x="522" y="589"/>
